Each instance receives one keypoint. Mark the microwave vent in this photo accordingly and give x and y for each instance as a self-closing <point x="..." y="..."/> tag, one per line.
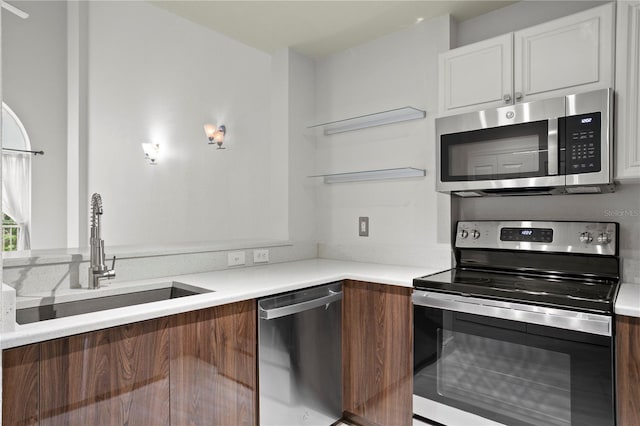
<point x="467" y="194"/>
<point x="586" y="190"/>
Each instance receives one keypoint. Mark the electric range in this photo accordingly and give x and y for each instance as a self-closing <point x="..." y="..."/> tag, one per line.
<point x="520" y="331"/>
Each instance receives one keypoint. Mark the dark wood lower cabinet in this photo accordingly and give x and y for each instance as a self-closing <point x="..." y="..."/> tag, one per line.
<point x="116" y="376"/>
<point x="200" y="368"/>
<point x="628" y="370"/>
<point x="197" y="368"/>
<point x="377" y="345"/>
<point x="213" y="366"/>
<point x="21" y="382"/>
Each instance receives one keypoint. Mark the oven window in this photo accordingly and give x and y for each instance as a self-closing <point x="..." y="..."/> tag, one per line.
<point x="511" y="372"/>
<point x="518" y="381"/>
<point x="517" y="151"/>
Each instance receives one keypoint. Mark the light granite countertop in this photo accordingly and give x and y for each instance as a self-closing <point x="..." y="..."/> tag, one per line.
<point x="227" y="286"/>
<point x="628" y="301"/>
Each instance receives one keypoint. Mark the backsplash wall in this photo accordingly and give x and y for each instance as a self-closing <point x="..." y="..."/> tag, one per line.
<point x="56" y="272"/>
<point x="622" y="206"/>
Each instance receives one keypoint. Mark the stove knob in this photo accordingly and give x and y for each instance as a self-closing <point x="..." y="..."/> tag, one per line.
<point x="475" y="234"/>
<point x="603" y="239"/>
<point x="586" y="237"/>
<point x="464" y="234"/>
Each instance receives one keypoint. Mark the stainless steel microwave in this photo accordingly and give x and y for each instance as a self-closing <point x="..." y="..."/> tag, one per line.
<point x="553" y="146"/>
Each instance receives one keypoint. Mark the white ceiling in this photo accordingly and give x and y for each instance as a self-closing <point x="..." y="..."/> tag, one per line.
<point x="318" y="28"/>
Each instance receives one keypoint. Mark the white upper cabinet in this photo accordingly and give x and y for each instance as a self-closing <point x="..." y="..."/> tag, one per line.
<point x="563" y="56"/>
<point x="567" y="55"/>
<point x="477" y="76"/>
<point x="628" y="91"/>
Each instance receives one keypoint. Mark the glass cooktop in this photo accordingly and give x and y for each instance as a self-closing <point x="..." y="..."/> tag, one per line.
<point x="575" y="294"/>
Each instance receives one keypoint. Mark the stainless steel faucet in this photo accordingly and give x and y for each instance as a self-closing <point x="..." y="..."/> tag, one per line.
<point x="98" y="270"/>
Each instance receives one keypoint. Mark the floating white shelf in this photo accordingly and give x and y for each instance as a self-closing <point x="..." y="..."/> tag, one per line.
<point x="403" y="172"/>
<point x="372" y="120"/>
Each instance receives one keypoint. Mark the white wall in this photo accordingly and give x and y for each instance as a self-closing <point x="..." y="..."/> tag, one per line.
<point x="151" y="76"/>
<point x="35" y="87"/>
<point x="77" y="124"/>
<point x="1" y="295"/>
<point x="293" y="107"/>
<point x="517" y="16"/>
<point x="279" y="122"/>
<point x="156" y="77"/>
<point x="406" y="216"/>
<point x="301" y="149"/>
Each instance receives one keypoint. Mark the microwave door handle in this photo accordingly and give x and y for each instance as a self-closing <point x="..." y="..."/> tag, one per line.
<point x="552" y="146"/>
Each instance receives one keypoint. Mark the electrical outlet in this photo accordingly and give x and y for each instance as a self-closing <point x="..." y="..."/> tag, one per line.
<point x="261" y="256"/>
<point x="235" y="258"/>
<point x="363" y="226"/>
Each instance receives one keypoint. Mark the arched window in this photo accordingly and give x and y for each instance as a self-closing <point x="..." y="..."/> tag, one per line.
<point x="16" y="182"/>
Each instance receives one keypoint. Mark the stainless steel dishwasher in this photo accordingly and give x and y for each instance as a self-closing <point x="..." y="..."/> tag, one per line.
<point x="300" y="357"/>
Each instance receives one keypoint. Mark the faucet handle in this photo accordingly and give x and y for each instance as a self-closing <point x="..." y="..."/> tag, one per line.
<point x="113" y="263"/>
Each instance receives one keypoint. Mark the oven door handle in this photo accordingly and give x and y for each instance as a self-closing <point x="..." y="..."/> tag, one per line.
<point x="551" y="317"/>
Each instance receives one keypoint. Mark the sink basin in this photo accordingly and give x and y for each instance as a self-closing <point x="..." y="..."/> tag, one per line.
<point x="84" y="306"/>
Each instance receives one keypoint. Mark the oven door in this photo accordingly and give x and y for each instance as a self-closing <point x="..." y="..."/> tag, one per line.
<point x="483" y="362"/>
<point x="512" y="147"/>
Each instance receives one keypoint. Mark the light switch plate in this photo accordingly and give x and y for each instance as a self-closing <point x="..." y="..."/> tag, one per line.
<point x="363" y="226"/>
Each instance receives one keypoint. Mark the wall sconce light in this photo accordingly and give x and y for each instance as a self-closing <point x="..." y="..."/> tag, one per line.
<point x="215" y="136"/>
<point x="151" y="151"/>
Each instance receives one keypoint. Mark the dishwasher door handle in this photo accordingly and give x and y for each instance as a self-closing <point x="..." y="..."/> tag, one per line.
<point x="295" y="308"/>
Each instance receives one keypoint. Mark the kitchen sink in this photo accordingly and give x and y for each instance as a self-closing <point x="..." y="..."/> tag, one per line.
<point x="65" y="309"/>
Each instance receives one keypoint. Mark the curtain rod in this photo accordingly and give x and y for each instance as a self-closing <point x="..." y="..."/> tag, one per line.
<point x="24" y="150"/>
<point x="20" y="13"/>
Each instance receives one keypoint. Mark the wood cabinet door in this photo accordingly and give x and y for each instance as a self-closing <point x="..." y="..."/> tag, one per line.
<point x="115" y="376"/>
<point x="21" y="381"/>
<point x="628" y="91"/>
<point x="567" y="55"/>
<point x="377" y="346"/>
<point x="476" y="76"/>
<point x="628" y="370"/>
<point x="213" y="366"/>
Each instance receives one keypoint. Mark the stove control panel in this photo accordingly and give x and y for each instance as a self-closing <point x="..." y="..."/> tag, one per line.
<point x="534" y="235"/>
<point x="598" y="238"/>
<point x="585" y="237"/>
<point x="604" y="238"/>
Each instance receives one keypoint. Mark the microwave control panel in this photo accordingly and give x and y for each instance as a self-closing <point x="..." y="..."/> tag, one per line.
<point x="582" y="143"/>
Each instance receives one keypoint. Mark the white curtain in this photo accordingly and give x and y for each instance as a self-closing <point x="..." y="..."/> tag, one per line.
<point x="16" y="194"/>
